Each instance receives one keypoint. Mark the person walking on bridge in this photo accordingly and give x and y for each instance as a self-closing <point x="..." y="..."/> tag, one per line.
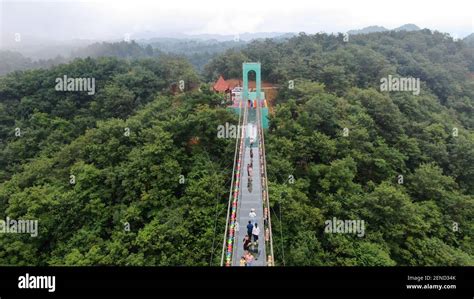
<point x="252" y="214"/>
<point x="247" y="243"/>
<point x="255" y="233"/>
<point x="250" y="229"/>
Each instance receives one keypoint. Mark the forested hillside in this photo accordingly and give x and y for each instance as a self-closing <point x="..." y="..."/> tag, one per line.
<point x="149" y="197"/>
<point x="399" y="168"/>
<point x="425" y="140"/>
<point x="136" y="174"/>
<point x="317" y="172"/>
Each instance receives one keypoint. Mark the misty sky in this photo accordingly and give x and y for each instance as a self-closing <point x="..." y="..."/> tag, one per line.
<point x="103" y="19"/>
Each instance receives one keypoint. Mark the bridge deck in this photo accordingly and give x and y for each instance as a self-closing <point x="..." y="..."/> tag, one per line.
<point x="250" y="198"/>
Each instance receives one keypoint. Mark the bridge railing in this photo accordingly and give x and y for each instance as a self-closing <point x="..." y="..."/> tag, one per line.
<point x="265" y="198"/>
<point x="234" y="194"/>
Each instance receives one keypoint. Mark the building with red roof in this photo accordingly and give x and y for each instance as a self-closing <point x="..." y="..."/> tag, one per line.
<point x="221" y="85"/>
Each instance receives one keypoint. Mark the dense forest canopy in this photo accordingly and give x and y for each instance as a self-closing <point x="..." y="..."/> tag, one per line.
<point x="346" y="144"/>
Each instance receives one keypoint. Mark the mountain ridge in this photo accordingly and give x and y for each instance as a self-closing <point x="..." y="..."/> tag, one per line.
<point x="376" y="28"/>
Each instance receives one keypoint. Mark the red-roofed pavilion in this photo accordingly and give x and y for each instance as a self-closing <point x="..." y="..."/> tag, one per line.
<point x="221" y="85"/>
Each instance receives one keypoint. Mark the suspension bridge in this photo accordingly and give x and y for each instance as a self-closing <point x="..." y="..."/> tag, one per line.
<point x="248" y="196"/>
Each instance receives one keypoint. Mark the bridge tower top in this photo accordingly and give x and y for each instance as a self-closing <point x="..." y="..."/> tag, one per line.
<point x="246" y="68"/>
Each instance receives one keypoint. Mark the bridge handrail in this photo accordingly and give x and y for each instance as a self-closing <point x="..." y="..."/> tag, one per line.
<point x="229" y="234"/>
<point x="266" y="201"/>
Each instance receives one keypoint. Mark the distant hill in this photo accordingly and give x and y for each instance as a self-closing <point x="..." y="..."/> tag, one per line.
<point x="366" y="30"/>
<point x="11" y="61"/>
<point x="38" y="48"/>
<point x="198" y="52"/>
<point x="150" y="37"/>
<point x="191" y="46"/>
<point x="469" y="39"/>
<point x="200" y="49"/>
<point x="407" y="27"/>
<point x="120" y="49"/>
<point x="372" y="29"/>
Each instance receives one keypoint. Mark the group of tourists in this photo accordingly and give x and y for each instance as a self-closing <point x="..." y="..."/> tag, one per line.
<point x="250" y="242"/>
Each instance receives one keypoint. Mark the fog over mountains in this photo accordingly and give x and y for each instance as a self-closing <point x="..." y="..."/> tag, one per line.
<point x="38" y="48"/>
<point x="28" y="52"/>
